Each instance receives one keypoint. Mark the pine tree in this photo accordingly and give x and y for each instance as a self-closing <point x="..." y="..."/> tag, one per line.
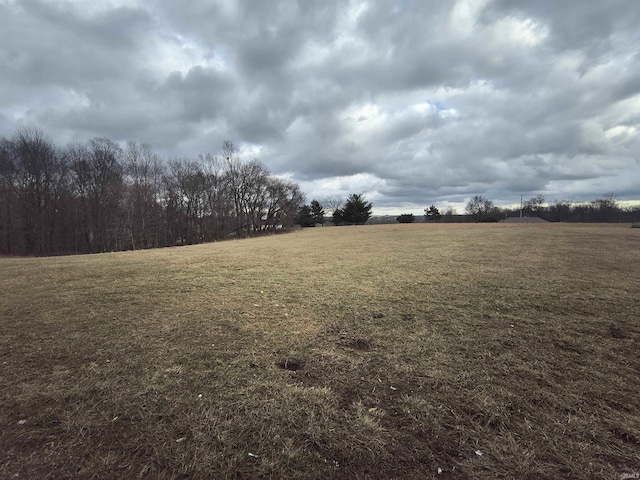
<point x="317" y="212"/>
<point x="356" y="211"/>
<point x="432" y="213"/>
<point x="305" y="217"/>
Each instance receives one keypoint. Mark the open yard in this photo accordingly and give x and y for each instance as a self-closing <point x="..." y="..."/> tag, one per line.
<point x="396" y="351"/>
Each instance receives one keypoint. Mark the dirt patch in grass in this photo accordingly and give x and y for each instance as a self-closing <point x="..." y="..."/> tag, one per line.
<point x="293" y="365"/>
<point x="402" y="351"/>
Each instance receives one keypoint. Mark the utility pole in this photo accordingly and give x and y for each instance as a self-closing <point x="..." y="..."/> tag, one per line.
<point x="521" y="206"/>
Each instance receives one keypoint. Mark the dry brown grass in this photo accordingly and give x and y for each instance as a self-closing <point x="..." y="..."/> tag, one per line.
<point x="356" y="352"/>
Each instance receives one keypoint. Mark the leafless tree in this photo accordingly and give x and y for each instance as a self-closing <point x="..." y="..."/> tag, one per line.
<point x="217" y="209"/>
<point x="144" y="172"/>
<point x="283" y="202"/>
<point x="534" y="206"/>
<point x="333" y="203"/>
<point x="93" y="196"/>
<point x="479" y="208"/>
<point x="40" y="176"/>
<point x="9" y="222"/>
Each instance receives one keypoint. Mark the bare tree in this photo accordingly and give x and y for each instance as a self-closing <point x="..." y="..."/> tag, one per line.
<point x="333" y="203"/>
<point x="217" y="205"/>
<point x="144" y="172"/>
<point x="9" y="222"/>
<point x="560" y="211"/>
<point x="283" y="202"/>
<point x="78" y="157"/>
<point x="448" y="214"/>
<point x="534" y="206"/>
<point x="246" y="185"/>
<point x="188" y="181"/>
<point x="480" y="208"/>
<point x="254" y="177"/>
<point x="605" y="209"/>
<point x="106" y="192"/>
<point x="94" y="196"/>
<point x="40" y="176"/>
<point x="233" y="183"/>
<point x="98" y="182"/>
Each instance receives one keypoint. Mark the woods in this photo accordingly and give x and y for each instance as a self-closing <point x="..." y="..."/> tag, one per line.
<point x="95" y="196"/>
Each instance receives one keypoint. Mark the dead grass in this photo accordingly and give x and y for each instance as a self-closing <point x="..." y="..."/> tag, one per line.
<point x="476" y="351"/>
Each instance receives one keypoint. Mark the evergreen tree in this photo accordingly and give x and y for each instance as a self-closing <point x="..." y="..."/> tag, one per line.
<point x="432" y="214"/>
<point x="356" y="211"/>
<point x="305" y="217"/>
<point x="317" y="211"/>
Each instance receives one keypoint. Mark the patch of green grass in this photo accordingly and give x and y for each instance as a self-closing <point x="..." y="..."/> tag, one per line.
<point x="485" y="351"/>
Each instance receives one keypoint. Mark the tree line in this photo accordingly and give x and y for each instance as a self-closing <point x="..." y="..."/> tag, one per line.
<point x="480" y="209"/>
<point x="95" y="196"/>
<point x="604" y="210"/>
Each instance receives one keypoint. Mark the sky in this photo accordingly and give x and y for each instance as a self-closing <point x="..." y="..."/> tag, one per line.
<point x="411" y="102"/>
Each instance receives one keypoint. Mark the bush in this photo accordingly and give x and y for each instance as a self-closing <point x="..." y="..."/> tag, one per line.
<point x="406" y="218"/>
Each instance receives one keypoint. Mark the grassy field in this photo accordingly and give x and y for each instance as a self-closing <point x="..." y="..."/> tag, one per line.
<point x="396" y="351"/>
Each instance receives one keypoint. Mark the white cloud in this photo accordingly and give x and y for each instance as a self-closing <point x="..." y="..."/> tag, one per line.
<point x="519" y="32"/>
<point x="464" y="15"/>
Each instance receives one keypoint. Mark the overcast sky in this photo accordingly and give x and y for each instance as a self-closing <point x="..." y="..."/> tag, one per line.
<point x="411" y="102"/>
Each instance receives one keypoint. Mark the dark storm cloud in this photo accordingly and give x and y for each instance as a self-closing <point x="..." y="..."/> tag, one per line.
<point x="411" y="102"/>
<point x="200" y="94"/>
<point x="49" y="43"/>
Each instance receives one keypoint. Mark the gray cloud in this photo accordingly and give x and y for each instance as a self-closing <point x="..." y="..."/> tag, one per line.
<point x="412" y="102"/>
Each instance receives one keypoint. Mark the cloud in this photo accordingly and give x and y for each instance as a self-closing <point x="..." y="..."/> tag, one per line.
<point x="412" y="102"/>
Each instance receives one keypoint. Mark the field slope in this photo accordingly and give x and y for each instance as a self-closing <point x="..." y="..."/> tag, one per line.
<point x="396" y="351"/>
